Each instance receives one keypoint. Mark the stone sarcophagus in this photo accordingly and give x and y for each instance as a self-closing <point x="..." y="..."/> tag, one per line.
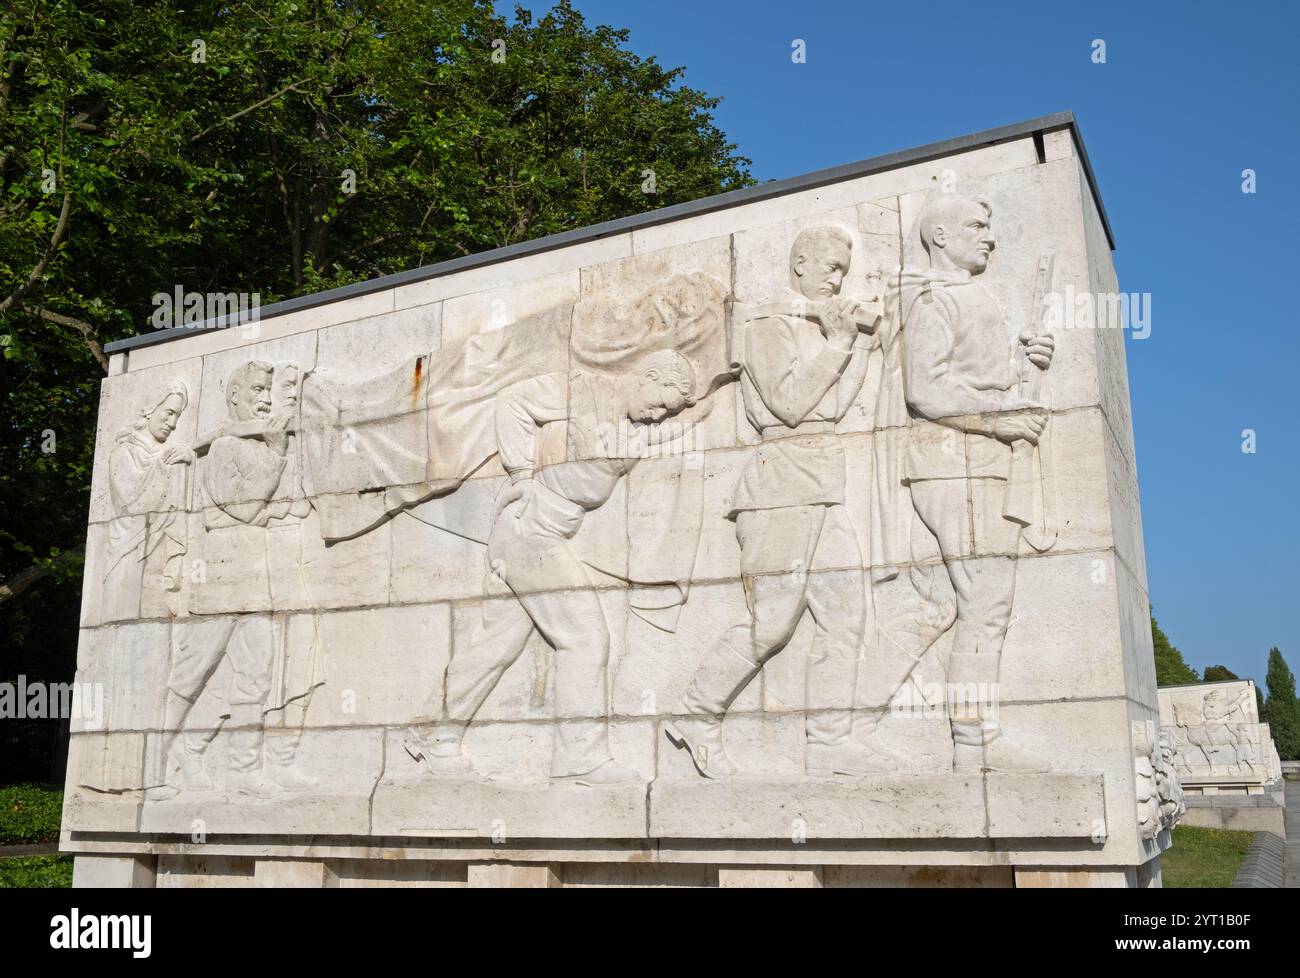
<point x="789" y="535"/>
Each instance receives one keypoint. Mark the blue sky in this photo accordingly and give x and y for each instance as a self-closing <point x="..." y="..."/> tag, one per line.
<point x="1191" y="94"/>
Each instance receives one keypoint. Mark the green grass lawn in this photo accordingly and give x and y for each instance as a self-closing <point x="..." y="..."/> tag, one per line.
<point x="36" y="871"/>
<point x="1204" y="857"/>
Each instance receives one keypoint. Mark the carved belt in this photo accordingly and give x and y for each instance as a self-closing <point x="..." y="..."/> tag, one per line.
<point x="807" y="428"/>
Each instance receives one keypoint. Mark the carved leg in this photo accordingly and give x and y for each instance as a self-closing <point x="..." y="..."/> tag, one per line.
<point x="720" y="678"/>
<point x="978" y="740"/>
<point x="197" y="649"/>
<point x="281" y="747"/>
<point x="776" y="549"/>
<point x="181" y="766"/>
<point x="573" y="622"/>
<point x="251" y="652"/>
<point x="497" y="642"/>
<point x="837" y="603"/>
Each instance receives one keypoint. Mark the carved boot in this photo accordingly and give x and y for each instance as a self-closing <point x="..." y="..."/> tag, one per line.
<point x="831" y="749"/>
<point x="610" y="772"/>
<point x="247" y="774"/>
<point x="281" y="750"/>
<point x="867" y="733"/>
<point x="701" y="737"/>
<point x="440" y="749"/>
<point x="717" y="682"/>
<point x="977" y="737"/>
<point x="982" y="746"/>
<point x="581" y="754"/>
<point x="183" y="770"/>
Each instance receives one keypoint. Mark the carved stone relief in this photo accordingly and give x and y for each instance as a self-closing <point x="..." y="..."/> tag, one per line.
<point x="559" y="493"/>
<point x="1215" y="735"/>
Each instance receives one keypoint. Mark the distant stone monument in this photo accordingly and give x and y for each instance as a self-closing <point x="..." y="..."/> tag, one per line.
<point x="791" y="535"/>
<point x="1224" y="757"/>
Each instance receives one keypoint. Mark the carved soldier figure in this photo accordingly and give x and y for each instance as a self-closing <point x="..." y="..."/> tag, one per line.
<point x="800" y="374"/>
<point x="298" y="671"/>
<point x="245" y="464"/>
<point x="149" y="486"/>
<point x="538" y="512"/>
<point x="960" y="372"/>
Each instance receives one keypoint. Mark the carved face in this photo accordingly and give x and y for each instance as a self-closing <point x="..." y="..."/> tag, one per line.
<point x="252" y="399"/>
<point x="654" y="397"/>
<point x="163" y="421"/>
<point x="966" y="237"/>
<point x="820" y="273"/>
<point x="286" y="387"/>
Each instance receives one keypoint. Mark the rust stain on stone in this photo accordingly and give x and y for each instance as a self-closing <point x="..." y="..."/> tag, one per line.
<point x="415" y="381"/>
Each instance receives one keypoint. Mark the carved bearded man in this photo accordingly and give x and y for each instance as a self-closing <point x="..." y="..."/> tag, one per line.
<point x="799" y="378"/>
<point x="960" y="377"/>
<point x="245" y="465"/>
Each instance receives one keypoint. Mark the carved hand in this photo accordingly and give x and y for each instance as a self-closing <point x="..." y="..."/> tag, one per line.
<point x="276" y="434"/>
<point x="177" y="455"/>
<point x="1039" y="348"/>
<point x="838" y="321"/>
<point x="1020" y="427"/>
<point x="515" y="491"/>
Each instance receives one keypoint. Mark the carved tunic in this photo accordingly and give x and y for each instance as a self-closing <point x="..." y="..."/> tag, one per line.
<point x="957" y="362"/>
<point x="563" y="493"/>
<point x="796" y="385"/>
<point x="240" y="481"/>
<point x="147" y="496"/>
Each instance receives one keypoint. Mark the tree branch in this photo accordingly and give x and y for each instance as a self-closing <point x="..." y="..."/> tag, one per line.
<point x="291" y="87"/>
<point x="24" y="579"/>
<point x="38" y="272"/>
<point x="87" y="331"/>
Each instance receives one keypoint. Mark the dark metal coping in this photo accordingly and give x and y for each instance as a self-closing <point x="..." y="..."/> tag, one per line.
<point x="748" y="195"/>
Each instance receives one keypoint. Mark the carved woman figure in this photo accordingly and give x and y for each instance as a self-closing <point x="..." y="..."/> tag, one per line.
<point x="149" y="484"/>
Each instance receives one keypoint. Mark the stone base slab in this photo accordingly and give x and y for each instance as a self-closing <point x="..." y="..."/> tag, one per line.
<point x="945" y="806"/>
<point x="485" y="809"/>
<point x="188" y="814"/>
<point x="921" y="808"/>
<point x="1240" y="813"/>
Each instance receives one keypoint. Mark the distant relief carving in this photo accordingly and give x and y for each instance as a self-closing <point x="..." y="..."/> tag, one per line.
<point x="1216" y="736"/>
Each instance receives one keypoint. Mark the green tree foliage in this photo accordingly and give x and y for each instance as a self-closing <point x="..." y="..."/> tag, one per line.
<point x="1219" y="674"/>
<point x="1171" y="668"/>
<point x="145" y="145"/>
<point x="1281" y="711"/>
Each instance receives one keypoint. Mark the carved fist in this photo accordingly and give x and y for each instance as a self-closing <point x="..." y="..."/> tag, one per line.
<point x="177" y="455"/>
<point x="1020" y="427"/>
<point x="838" y="320"/>
<point x="276" y="434"/>
<point x="512" y="493"/>
<point x="1038" y="348"/>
